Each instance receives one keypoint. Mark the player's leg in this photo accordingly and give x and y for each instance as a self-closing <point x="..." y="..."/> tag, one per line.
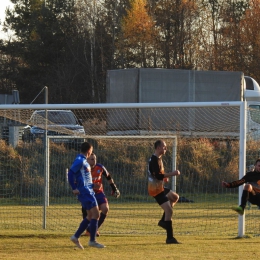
<point x="247" y="191"/>
<point x="84" y="212"/>
<point x="254" y="198"/>
<point x="165" y="204"/>
<point x="93" y="226"/>
<point x="258" y="200"/>
<point x="93" y="212"/>
<point x="84" y="215"/>
<point x="82" y="227"/>
<point x="103" y="207"/>
<point x="173" y="197"/>
<point x="161" y="222"/>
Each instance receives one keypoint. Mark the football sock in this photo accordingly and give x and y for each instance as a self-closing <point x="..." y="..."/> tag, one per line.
<point x="93" y="226"/>
<point x="163" y="217"/>
<point x="244" y="198"/>
<point x="169" y="229"/>
<point x="84" y="213"/>
<point x="101" y="219"/>
<point x="82" y="227"/>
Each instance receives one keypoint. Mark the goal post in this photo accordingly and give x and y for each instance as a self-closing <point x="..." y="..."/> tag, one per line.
<point x="123" y="135"/>
<point x="242" y="162"/>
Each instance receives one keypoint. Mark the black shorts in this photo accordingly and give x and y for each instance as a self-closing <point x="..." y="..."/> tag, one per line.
<point x="254" y="198"/>
<point x="166" y="190"/>
<point x="161" y="197"/>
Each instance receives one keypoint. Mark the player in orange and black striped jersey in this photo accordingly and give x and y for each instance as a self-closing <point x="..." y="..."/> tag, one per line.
<point x="164" y="196"/>
<point x="98" y="171"/>
<point x="251" y="190"/>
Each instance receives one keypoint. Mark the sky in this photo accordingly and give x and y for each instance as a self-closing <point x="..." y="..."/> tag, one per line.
<point x="3" y="5"/>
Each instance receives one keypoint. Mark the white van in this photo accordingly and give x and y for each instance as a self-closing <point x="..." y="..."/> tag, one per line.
<point x="252" y="96"/>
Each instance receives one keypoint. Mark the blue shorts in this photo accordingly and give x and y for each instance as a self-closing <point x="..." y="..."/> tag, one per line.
<point x="101" y="198"/>
<point x="88" y="201"/>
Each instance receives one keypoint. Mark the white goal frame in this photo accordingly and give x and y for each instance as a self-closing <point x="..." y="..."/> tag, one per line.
<point x="242" y="133"/>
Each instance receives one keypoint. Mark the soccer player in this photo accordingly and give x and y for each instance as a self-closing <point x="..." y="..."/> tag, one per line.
<point x="97" y="171"/>
<point x="251" y="191"/>
<point x="163" y="196"/>
<point x="80" y="180"/>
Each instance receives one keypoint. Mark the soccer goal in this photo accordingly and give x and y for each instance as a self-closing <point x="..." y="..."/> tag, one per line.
<point x="206" y="141"/>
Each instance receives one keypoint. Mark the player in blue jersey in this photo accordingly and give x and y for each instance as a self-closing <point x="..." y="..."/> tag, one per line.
<point x="80" y="180"/>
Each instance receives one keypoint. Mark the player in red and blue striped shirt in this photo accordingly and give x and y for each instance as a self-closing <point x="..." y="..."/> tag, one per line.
<point x="98" y="171"/>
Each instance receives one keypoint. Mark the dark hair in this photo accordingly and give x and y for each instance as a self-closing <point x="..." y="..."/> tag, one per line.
<point x="258" y="160"/>
<point x="85" y="147"/>
<point x="157" y="143"/>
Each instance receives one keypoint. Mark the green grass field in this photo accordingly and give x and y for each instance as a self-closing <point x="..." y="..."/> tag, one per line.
<point x="21" y="245"/>
<point x="206" y="230"/>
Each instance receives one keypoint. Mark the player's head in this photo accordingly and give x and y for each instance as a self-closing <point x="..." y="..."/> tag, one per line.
<point x="257" y="165"/>
<point x="92" y="160"/>
<point x="86" y="149"/>
<point x="160" y="147"/>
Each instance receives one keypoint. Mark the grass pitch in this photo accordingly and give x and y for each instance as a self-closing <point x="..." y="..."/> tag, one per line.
<point x="45" y="246"/>
<point x="206" y="230"/>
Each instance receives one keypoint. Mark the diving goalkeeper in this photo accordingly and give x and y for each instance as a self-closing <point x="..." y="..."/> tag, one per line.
<point x="251" y="190"/>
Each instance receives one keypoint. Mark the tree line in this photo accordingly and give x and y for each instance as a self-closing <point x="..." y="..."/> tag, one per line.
<point x="68" y="45"/>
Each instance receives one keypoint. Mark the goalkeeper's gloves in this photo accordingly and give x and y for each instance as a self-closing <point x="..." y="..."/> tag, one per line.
<point x="115" y="191"/>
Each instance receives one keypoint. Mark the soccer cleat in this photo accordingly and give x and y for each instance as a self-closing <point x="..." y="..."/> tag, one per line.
<point x="95" y="244"/>
<point x="172" y="240"/>
<point x="162" y="224"/>
<point x="239" y="210"/>
<point x="76" y="242"/>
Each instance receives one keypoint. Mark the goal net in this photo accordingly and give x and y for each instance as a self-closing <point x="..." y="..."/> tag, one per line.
<point x="203" y="140"/>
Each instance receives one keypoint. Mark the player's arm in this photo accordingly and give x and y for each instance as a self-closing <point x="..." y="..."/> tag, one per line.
<point x="174" y="173"/>
<point x="233" y="184"/>
<point x="115" y="190"/>
<point x="75" y="167"/>
<point x="72" y="182"/>
<point x="154" y="168"/>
